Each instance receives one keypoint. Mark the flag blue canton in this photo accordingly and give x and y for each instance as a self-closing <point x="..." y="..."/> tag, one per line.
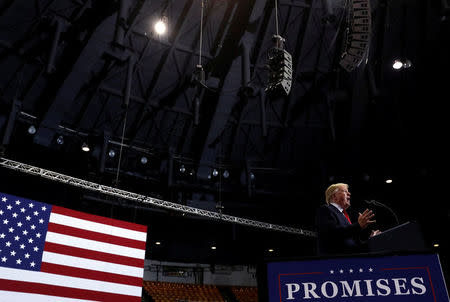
<point x="23" y="227"/>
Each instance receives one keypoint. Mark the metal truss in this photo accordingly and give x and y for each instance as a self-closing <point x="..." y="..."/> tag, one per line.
<point x="54" y="176"/>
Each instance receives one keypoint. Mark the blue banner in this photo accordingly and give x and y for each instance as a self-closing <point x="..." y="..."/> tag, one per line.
<point x="407" y="278"/>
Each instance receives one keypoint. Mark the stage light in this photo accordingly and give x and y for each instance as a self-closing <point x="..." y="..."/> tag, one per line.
<point x="389" y="181"/>
<point x="144" y="160"/>
<point x="60" y="140"/>
<point x="182" y="169"/>
<point x="32" y="129"/>
<point x="215" y="172"/>
<point x="436" y="245"/>
<point x="270" y="250"/>
<point x="85" y="147"/>
<point x="158" y="243"/>
<point x="214" y="248"/>
<point x="252" y="176"/>
<point x="160" y="26"/>
<point x="226" y="174"/>
<point x="112" y="153"/>
<point x="397" y="64"/>
<point x="192" y="172"/>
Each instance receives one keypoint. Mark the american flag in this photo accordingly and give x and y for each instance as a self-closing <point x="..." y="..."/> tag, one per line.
<point x="49" y="253"/>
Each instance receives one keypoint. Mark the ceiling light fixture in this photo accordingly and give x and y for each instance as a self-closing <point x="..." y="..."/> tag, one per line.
<point x="32" y="129"/>
<point x="60" y="140"/>
<point x="399" y="64"/>
<point x="85" y="147"/>
<point x="160" y="26"/>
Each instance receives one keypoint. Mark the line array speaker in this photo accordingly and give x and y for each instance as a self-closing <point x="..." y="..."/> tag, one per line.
<point x="357" y="35"/>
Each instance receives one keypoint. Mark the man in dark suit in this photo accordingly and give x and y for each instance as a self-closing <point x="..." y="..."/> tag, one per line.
<point x="336" y="232"/>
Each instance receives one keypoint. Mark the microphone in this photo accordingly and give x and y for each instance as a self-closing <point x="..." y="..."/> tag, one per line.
<point x="380" y="204"/>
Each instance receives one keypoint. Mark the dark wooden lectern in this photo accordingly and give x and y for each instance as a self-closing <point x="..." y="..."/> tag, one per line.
<point x="404" y="237"/>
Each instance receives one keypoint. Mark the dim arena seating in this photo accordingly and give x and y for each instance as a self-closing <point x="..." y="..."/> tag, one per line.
<point x="245" y="293"/>
<point x="174" y="292"/>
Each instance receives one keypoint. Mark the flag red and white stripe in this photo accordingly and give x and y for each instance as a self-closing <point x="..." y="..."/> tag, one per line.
<point x="85" y="258"/>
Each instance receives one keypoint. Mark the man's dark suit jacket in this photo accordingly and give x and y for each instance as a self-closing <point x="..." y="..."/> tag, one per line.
<point x="335" y="234"/>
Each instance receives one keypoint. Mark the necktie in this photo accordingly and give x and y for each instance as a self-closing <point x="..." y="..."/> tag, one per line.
<point x="346" y="216"/>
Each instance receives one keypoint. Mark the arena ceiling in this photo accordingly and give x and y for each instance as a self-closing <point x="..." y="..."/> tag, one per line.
<point x="194" y="100"/>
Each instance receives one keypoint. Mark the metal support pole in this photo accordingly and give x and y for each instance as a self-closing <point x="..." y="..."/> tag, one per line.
<point x="121" y="24"/>
<point x="51" y="59"/>
<point x="262" y="98"/>
<point x="130" y="69"/>
<point x="246" y="73"/>
<point x="11" y="121"/>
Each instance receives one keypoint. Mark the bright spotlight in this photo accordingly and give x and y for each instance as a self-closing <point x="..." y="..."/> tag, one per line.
<point x="397" y="64"/>
<point x="144" y="160"/>
<point x="85" y="147"/>
<point x="160" y="26"/>
<point x="112" y="153"/>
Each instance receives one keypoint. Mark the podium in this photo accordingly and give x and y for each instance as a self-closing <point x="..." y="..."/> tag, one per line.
<point x="404" y="237"/>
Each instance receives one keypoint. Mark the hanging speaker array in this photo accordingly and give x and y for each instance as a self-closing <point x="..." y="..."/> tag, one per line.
<point x="357" y="35"/>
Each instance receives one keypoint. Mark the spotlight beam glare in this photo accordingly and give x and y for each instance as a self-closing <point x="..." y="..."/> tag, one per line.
<point x="160" y="27"/>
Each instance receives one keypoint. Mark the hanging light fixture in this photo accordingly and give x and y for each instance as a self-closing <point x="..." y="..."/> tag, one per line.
<point x="160" y="26"/>
<point x="85" y="147"/>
